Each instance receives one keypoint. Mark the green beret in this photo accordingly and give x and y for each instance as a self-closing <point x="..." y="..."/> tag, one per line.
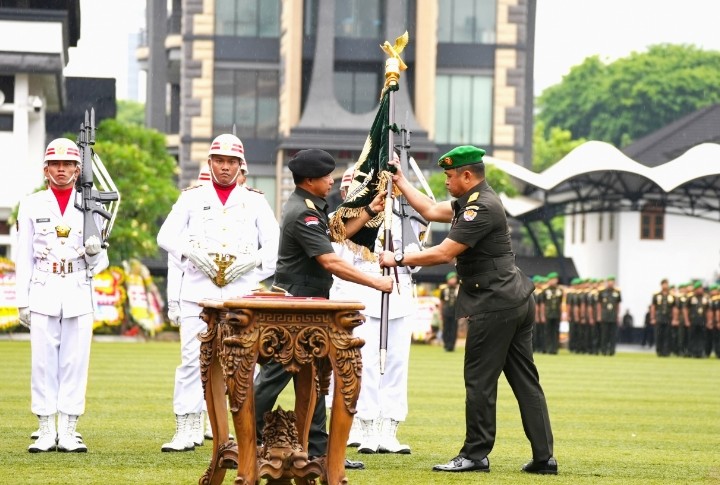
<point x="552" y="275"/>
<point x="312" y="163"/>
<point x="575" y="281"/>
<point x="461" y="156"/>
<point x="536" y="278"/>
<point x="714" y="287"/>
<point x="610" y="278"/>
<point x="451" y="274"/>
<point x="698" y="284"/>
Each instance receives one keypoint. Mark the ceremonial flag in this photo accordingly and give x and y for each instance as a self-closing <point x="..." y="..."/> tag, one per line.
<point x="370" y="176"/>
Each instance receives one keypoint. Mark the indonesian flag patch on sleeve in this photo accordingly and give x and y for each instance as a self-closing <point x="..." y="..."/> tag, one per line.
<point x="311" y="221"/>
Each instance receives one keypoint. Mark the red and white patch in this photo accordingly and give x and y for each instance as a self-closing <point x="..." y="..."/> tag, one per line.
<point x="311" y="221"/>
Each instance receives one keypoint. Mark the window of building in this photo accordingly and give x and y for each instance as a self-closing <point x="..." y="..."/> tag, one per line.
<point x="467" y="21"/>
<point x="572" y="228"/>
<point x="582" y="228"/>
<point x="359" y="19"/>
<point x="247" y="18"/>
<point x="357" y="91"/>
<point x="249" y="100"/>
<point x="652" y="222"/>
<point x="600" y="226"/>
<point x="611" y="228"/>
<point x="463" y="109"/>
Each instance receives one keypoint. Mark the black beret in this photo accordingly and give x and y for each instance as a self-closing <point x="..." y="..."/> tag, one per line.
<point x="312" y="163"/>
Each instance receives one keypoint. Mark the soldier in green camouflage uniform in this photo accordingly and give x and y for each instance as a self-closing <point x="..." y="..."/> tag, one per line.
<point x="608" y="311"/>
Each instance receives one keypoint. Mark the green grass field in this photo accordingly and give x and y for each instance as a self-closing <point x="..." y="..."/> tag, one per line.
<point x="628" y="419"/>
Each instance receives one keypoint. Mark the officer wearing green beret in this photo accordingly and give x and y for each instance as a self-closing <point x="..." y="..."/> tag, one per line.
<point x="496" y="297"/>
<point x="608" y="314"/>
<point x="305" y="267"/>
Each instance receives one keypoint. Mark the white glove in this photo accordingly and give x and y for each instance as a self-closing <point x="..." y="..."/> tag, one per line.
<point x="24" y="316"/>
<point x="244" y="263"/>
<point x="202" y="261"/>
<point x="93" y="246"/>
<point x="174" y="312"/>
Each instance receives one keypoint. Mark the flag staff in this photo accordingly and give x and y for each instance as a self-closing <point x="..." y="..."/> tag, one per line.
<point x="393" y="66"/>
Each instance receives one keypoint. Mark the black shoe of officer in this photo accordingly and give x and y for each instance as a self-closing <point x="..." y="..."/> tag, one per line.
<point x="547" y="467"/>
<point x="462" y="464"/>
<point x="354" y="465"/>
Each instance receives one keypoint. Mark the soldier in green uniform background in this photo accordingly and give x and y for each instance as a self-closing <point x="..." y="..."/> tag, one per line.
<point x="608" y="311"/>
<point x="698" y="319"/>
<point x="715" y="308"/>
<point x="448" y="296"/>
<point x="663" y="310"/>
<point x="592" y="332"/>
<point x="538" y="337"/>
<point x="680" y="328"/>
<point x="550" y="309"/>
<point x="571" y="301"/>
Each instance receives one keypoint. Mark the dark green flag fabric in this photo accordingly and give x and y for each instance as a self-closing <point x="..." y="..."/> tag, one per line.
<point x="370" y="177"/>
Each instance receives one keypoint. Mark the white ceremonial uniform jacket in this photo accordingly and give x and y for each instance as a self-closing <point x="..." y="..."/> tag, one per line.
<point x="53" y="274"/>
<point x="402" y="303"/>
<point x="245" y="224"/>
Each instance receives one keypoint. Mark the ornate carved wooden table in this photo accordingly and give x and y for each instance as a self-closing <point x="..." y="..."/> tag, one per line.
<point x="311" y="337"/>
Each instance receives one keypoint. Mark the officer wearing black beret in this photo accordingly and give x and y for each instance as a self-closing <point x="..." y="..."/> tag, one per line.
<point x="497" y="299"/>
<point x="305" y="267"/>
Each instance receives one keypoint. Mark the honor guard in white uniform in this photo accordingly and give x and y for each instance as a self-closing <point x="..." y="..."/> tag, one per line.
<point x="54" y="270"/>
<point x="382" y="404"/>
<point x="224" y="239"/>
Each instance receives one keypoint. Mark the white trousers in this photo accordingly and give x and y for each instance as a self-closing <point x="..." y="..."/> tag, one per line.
<point x="60" y="350"/>
<point x="188" y="396"/>
<point x="384" y="396"/>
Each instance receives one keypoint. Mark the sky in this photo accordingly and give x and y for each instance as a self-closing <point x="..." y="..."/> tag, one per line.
<point x="566" y="32"/>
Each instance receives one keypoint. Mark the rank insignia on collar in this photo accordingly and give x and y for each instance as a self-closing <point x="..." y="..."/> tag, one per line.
<point x="310" y="204"/>
<point x="473" y="197"/>
<point x="469" y="215"/>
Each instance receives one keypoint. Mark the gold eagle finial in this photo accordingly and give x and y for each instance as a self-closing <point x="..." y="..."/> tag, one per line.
<point x="394" y="51"/>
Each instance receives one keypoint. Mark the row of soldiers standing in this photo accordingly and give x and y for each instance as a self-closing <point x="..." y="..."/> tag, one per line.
<point x="593" y="312"/>
<point x="686" y="320"/>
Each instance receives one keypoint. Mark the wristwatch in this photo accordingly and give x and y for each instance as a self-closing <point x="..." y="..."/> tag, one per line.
<point x="399" y="259"/>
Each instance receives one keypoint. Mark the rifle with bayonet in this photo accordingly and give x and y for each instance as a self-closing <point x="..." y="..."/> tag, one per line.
<point x="92" y="201"/>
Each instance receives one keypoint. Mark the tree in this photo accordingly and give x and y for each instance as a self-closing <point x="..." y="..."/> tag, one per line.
<point x="130" y="112"/>
<point x="633" y="96"/>
<point x="546" y="152"/>
<point x="144" y="173"/>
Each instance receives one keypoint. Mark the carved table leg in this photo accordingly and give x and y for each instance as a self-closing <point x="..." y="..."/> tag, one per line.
<point x="214" y="398"/>
<point x="244" y="421"/>
<point x="305" y="400"/>
<point x="340" y="423"/>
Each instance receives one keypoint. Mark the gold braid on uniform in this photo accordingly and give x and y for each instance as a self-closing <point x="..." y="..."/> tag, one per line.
<point x="336" y="224"/>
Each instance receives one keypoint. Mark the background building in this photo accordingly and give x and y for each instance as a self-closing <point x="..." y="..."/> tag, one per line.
<point x="34" y="39"/>
<point x="293" y="74"/>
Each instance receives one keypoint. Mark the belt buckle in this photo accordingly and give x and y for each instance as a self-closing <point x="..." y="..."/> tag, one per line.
<point x="222" y="261"/>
